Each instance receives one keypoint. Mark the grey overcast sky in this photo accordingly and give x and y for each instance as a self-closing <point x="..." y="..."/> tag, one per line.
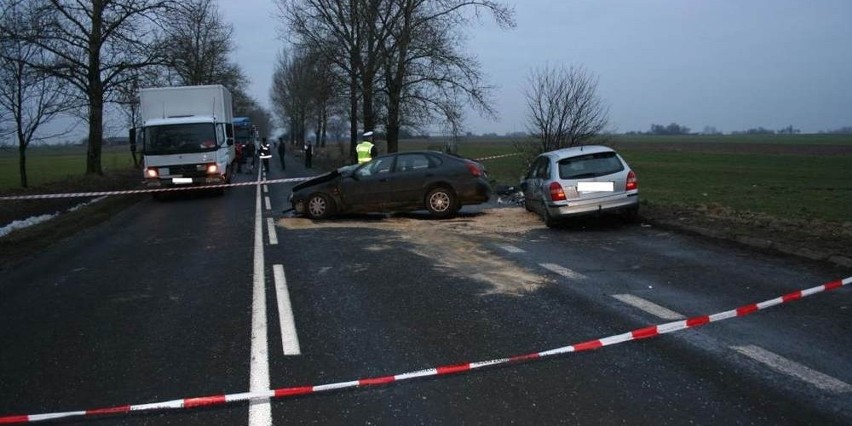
<point x="730" y="64"/>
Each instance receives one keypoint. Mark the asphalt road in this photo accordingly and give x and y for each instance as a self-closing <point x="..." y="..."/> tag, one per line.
<point x="161" y="303"/>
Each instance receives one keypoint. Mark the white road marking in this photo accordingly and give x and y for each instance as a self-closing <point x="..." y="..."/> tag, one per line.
<point x="285" y="313"/>
<point x="268" y="204"/>
<point x="511" y="248"/>
<point x="260" y="412"/>
<point x="791" y="368"/>
<point x="561" y="270"/>
<point x="266" y="189"/>
<point x="648" y="306"/>
<point x="270" y="229"/>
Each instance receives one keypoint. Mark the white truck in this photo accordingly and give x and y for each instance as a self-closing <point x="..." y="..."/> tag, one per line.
<point x="187" y="136"/>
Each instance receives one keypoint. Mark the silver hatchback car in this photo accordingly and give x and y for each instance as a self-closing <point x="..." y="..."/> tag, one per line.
<point x="579" y="181"/>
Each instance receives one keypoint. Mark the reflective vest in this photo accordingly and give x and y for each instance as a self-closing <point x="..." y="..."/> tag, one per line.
<point x="363" y="150"/>
<point x="265" y="152"/>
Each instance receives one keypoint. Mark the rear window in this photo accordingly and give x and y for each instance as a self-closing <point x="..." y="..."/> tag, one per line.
<point x="590" y="166"/>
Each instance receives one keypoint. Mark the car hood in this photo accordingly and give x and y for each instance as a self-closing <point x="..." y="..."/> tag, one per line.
<point x="325" y="177"/>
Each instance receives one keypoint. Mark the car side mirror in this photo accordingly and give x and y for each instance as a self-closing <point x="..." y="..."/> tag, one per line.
<point x="230" y="142"/>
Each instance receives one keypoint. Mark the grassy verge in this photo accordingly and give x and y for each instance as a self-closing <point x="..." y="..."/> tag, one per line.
<point x="785" y="186"/>
<point x="51" y="164"/>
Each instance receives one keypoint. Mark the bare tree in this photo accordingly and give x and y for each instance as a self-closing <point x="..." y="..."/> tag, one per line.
<point x="93" y="45"/>
<point x="564" y="108"/>
<point x="290" y="94"/>
<point x="426" y="73"/>
<point x="199" y="42"/>
<point x="346" y="34"/>
<point x="400" y="59"/>
<point x="30" y="97"/>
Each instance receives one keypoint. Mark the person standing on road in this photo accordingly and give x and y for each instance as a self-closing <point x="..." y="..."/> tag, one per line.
<point x="265" y="154"/>
<point x="240" y="156"/>
<point x="309" y="154"/>
<point x="249" y="154"/>
<point x="366" y="150"/>
<point x="281" y="152"/>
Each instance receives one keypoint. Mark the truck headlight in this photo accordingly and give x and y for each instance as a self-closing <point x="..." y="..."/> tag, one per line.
<point x="151" y="172"/>
<point x="212" y="169"/>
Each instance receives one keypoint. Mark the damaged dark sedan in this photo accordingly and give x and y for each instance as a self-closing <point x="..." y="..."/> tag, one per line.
<point x="404" y="181"/>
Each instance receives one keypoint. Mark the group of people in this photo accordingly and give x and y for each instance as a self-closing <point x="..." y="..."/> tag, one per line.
<point x="248" y="153"/>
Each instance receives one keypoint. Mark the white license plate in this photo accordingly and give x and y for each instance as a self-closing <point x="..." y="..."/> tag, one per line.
<point x="595" y="186"/>
<point x="181" y="180"/>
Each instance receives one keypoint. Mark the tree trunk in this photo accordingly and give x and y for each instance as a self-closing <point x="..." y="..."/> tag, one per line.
<point x="323" y="126"/>
<point x="367" y="93"/>
<point x="96" y="131"/>
<point x="96" y="92"/>
<point x="393" y="124"/>
<point x="22" y="162"/>
<point x="353" y="117"/>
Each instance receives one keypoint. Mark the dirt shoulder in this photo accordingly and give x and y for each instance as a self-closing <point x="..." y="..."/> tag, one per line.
<point x="811" y="239"/>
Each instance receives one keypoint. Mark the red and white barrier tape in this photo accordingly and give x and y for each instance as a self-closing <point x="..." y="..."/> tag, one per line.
<point x="642" y="333"/>
<point x="147" y="191"/>
<point x="494" y="157"/>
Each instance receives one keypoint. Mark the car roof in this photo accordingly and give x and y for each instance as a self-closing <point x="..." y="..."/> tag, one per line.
<point x="428" y="152"/>
<point x="577" y="150"/>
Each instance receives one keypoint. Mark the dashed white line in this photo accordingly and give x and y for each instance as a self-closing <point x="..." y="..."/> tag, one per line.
<point x="511" y="248"/>
<point x="561" y="270"/>
<point x="649" y="307"/>
<point x="792" y="368"/>
<point x="289" y="338"/>
<point x="270" y="229"/>
<point x="268" y="204"/>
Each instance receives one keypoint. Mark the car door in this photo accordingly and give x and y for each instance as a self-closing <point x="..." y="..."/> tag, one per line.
<point x="369" y="187"/>
<point x="536" y="177"/>
<point x="411" y="172"/>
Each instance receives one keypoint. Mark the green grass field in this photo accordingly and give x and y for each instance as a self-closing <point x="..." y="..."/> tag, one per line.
<point x="800" y="186"/>
<point x="793" y="186"/>
<point x="784" y="186"/>
<point x="49" y="164"/>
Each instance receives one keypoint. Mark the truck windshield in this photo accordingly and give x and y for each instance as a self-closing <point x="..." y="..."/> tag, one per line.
<point x="180" y="138"/>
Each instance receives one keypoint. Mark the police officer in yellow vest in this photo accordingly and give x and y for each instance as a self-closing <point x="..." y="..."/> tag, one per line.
<point x="366" y="150"/>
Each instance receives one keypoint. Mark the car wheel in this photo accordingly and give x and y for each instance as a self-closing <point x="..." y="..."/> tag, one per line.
<point x="319" y="206"/>
<point x="549" y="220"/>
<point x="441" y="202"/>
<point x="526" y="204"/>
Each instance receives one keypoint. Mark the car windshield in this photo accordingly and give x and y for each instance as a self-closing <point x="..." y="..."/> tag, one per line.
<point x="589" y="166"/>
<point x="375" y="167"/>
<point x="180" y="138"/>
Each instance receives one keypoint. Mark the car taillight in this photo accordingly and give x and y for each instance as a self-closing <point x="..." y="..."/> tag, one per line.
<point x="151" y="172"/>
<point x="632" y="182"/>
<point x="556" y="192"/>
<point x="474" y="169"/>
